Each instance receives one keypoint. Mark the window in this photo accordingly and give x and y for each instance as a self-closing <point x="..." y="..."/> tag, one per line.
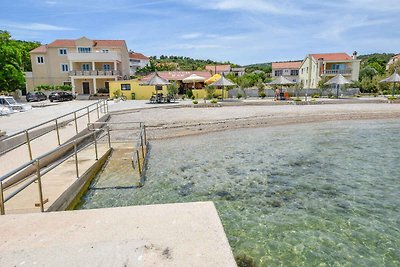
<point x="40" y="60"/>
<point x="125" y="87"/>
<point x="294" y="72"/>
<point x="106" y="67"/>
<point x="64" y="68"/>
<point x="84" y="49"/>
<point x="85" y="66"/>
<point x="105" y="51"/>
<point x="278" y="73"/>
<point x="62" y="51"/>
<point x="67" y="83"/>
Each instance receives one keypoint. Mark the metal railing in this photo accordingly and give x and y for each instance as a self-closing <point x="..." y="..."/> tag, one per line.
<point x="95" y="73"/>
<point x="40" y="171"/>
<point x="29" y="134"/>
<point x="335" y="72"/>
<point x="140" y="148"/>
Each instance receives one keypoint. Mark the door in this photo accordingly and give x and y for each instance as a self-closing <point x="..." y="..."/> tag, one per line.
<point x="85" y="88"/>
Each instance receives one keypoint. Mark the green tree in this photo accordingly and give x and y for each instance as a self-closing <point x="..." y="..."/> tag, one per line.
<point x="260" y="86"/>
<point x="11" y="71"/>
<point x="368" y="72"/>
<point x="172" y="89"/>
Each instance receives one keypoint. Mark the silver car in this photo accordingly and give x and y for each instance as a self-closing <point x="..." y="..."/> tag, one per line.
<point x="10" y="103"/>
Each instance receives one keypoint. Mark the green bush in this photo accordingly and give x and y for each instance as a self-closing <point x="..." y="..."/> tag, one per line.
<point x="297" y="99"/>
<point x="195" y="102"/>
<point x="239" y="95"/>
<point x="213" y="101"/>
<point x="192" y="97"/>
<point x="315" y="95"/>
<point x="263" y="95"/>
<point x="392" y="97"/>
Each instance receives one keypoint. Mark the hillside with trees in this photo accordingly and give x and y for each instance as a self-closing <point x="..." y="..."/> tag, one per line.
<point x="14" y="61"/>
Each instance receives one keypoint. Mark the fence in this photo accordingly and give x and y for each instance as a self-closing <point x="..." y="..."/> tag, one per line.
<point x="23" y="137"/>
<point x="78" y="146"/>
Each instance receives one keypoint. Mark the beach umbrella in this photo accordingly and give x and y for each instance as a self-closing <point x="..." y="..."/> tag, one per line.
<point x="223" y="82"/>
<point x="281" y="81"/>
<point x="213" y="79"/>
<point x="193" y="79"/>
<point x="338" y="80"/>
<point x="156" y="80"/>
<point x="394" y="78"/>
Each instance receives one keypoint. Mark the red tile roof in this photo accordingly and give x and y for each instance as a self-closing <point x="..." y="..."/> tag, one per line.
<point x="40" y="49"/>
<point x="137" y="56"/>
<point x="220" y="68"/>
<point x="286" y="65"/>
<point x="178" y="75"/>
<point x="332" y="56"/>
<point x="102" y="43"/>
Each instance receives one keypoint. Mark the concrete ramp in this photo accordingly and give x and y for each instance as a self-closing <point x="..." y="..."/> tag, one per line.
<point x="187" y="234"/>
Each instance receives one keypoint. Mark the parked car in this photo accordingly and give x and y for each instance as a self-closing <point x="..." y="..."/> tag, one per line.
<point x="10" y="103"/>
<point x="60" y="96"/>
<point x="35" y="96"/>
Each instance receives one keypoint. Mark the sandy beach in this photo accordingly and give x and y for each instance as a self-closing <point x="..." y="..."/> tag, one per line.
<point x="170" y="122"/>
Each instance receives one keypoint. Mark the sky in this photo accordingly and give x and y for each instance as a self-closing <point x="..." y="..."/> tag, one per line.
<point x="240" y="31"/>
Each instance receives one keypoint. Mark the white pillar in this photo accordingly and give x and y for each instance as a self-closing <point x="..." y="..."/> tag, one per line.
<point x="94" y="86"/>
<point x="93" y="66"/>
<point x="73" y="85"/>
<point x="115" y="65"/>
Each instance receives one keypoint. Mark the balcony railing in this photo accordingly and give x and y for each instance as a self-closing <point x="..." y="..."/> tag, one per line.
<point x="96" y="56"/>
<point x="95" y="73"/>
<point x="335" y="72"/>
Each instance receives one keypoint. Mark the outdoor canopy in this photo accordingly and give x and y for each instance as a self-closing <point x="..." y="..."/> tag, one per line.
<point x="156" y="80"/>
<point x="213" y="79"/>
<point x="281" y="81"/>
<point x="338" y="80"/>
<point x="223" y="82"/>
<point x="394" y="78"/>
<point x="193" y="79"/>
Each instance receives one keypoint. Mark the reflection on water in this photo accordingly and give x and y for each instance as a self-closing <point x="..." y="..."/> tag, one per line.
<point x="310" y="194"/>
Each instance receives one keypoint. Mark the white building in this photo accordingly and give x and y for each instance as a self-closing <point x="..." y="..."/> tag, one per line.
<point x="137" y="61"/>
<point x="289" y="70"/>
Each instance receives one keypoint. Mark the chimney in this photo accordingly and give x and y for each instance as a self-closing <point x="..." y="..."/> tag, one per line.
<point x="355" y="55"/>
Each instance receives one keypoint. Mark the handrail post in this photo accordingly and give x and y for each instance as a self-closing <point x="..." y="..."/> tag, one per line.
<point x="39" y="179"/>
<point x="76" y="160"/>
<point x="28" y="142"/>
<point x="76" y="123"/>
<point x="138" y="159"/>
<point x="141" y="141"/>
<point x="109" y="137"/>
<point x="145" y="135"/>
<point x="88" y="115"/>
<point x="97" y="109"/>
<point x="107" y="106"/>
<point x="2" y="210"/>
<point x="58" y="133"/>
<point x="95" y="145"/>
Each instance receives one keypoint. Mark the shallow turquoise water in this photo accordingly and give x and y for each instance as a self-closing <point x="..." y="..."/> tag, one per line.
<point x="311" y="194"/>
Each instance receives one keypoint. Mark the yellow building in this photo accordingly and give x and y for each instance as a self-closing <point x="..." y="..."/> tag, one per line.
<point x="85" y="64"/>
<point x="133" y="90"/>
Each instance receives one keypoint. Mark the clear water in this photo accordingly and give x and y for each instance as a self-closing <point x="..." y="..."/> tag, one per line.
<point x="324" y="194"/>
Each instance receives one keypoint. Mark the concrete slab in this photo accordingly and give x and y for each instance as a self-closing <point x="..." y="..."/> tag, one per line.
<point x="187" y="234"/>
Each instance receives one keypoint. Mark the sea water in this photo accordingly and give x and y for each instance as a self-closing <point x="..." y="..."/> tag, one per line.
<point x="300" y="195"/>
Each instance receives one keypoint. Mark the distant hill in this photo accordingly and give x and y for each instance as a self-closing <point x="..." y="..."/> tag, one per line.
<point x="185" y="63"/>
<point x="381" y="58"/>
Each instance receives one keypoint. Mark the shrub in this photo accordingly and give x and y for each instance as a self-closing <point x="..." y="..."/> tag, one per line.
<point x="195" y="102"/>
<point x="103" y="90"/>
<point x="213" y="101"/>
<point x="192" y="97"/>
<point x="239" y="95"/>
<point x="392" y="97"/>
<point x="315" y="95"/>
<point x="263" y="95"/>
<point x="297" y="99"/>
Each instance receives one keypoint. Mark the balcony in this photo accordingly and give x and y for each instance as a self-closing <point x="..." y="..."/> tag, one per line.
<point x="95" y="73"/>
<point x="335" y="72"/>
<point x="96" y="56"/>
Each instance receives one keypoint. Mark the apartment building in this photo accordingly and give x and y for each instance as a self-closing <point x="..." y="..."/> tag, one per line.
<point x="225" y="69"/>
<point x="85" y="64"/>
<point x="137" y="61"/>
<point x="316" y="66"/>
<point x="289" y="70"/>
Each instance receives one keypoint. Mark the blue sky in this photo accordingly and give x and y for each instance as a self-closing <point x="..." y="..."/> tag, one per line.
<point x="243" y="32"/>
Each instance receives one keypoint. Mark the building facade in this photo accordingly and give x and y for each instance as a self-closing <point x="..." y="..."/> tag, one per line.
<point x="289" y="70"/>
<point x="137" y="61"/>
<point x="317" y="66"/>
<point x="225" y="69"/>
<point x="392" y="61"/>
<point x="87" y="65"/>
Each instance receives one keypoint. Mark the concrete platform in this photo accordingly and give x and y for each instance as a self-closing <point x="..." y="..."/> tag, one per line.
<point x="187" y="234"/>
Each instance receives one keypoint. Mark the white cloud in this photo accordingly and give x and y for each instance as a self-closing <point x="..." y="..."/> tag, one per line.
<point x="51" y="2"/>
<point x="191" y="35"/>
<point x="34" y="26"/>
